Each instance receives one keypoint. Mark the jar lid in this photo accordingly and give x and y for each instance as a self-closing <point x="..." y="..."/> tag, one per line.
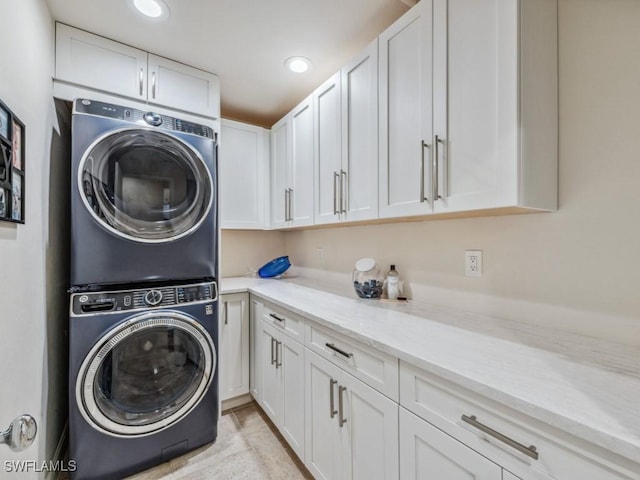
<point x="365" y="264"/>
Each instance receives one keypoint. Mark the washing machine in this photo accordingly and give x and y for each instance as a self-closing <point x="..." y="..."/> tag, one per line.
<point x="143" y="196"/>
<point x="143" y="385"/>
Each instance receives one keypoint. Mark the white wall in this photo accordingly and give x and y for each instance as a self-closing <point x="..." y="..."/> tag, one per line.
<point x="243" y="251"/>
<point x="582" y="262"/>
<point x="25" y="86"/>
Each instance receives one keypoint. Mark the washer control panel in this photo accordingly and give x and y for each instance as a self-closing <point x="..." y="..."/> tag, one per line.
<point x="91" y="303"/>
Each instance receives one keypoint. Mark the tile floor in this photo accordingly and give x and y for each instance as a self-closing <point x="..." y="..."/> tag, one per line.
<point x="248" y="447"/>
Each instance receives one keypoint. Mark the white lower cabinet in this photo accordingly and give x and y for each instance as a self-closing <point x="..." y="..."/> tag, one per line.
<point x="351" y="429"/>
<point x="234" y="345"/>
<point x="326" y="399"/>
<point x="256" y="309"/>
<point x="282" y="380"/>
<point x="428" y="453"/>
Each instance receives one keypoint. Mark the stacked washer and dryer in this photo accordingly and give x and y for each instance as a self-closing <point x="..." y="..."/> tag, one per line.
<point x="143" y="315"/>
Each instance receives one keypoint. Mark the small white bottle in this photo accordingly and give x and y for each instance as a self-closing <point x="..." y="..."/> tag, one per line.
<point x="393" y="284"/>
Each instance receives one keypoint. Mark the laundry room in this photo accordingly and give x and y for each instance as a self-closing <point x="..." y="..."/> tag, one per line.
<point x="375" y="239"/>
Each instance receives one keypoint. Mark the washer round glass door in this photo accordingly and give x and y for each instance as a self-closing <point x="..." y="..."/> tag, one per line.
<point x="146" y="374"/>
<point x="145" y="185"/>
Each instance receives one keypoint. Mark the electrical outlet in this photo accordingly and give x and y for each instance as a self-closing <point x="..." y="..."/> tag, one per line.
<point x="473" y="263"/>
<point x="320" y="255"/>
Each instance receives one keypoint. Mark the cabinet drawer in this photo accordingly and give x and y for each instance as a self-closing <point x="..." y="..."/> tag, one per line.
<point x="377" y="369"/>
<point x="285" y="321"/>
<point x="520" y="443"/>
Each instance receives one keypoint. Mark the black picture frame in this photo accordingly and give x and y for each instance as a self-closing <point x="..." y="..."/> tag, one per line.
<point x="12" y="166"/>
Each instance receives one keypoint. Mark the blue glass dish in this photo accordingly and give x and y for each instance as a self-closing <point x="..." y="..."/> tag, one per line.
<point x="275" y="267"/>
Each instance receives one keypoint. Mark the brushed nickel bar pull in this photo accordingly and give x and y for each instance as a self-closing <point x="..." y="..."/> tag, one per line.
<point x="332" y="407"/>
<point x="341" y="419"/>
<point x="153" y="85"/>
<point x="226" y="313"/>
<point x="335" y="193"/>
<point x="436" y="195"/>
<point x="286" y="204"/>
<point x="276" y="317"/>
<point x="278" y="354"/>
<point x="141" y="80"/>
<point x="530" y="451"/>
<point x="290" y="204"/>
<point x="338" y="350"/>
<point x="273" y="360"/>
<point x="423" y="198"/>
<point x="343" y="191"/>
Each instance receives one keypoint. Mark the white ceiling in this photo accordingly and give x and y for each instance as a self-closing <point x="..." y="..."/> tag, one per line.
<point x="245" y="42"/>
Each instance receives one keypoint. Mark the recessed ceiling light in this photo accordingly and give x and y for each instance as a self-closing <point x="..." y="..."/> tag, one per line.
<point x="298" y="64"/>
<point x="153" y="9"/>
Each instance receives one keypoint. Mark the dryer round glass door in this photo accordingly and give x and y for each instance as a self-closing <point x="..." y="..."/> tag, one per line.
<point x="146" y="374"/>
<point x="145" y="185"/>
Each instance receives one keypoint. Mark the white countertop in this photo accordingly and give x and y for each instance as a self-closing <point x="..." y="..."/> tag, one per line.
<point x="581" y="385"/>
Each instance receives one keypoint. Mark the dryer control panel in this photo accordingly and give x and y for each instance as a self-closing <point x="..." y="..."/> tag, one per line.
<point x="90" y="303"/>
<point x="153" y="119"/>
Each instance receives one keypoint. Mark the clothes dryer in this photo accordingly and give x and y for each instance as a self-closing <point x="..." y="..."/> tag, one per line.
<point x="143" y="384"/>
<point x="143" y="200"/>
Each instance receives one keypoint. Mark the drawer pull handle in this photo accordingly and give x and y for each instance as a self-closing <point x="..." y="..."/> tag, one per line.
<point x="276" y="317"/>
<point x="338" y="350"/>
<point x="530" y="451"/>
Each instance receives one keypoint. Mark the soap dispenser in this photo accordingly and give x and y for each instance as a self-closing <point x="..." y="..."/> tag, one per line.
<point x="393" y="284"/>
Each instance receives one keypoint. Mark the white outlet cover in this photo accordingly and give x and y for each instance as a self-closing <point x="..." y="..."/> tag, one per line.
<point x="473" y="263"/>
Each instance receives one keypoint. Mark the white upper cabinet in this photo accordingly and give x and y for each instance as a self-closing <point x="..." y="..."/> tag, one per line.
<point x="479" y="131"/>
<point x="301" y="171"/>
<point x="280" y="159"/>
<point x="328" y="151"/>
<point x="360" y="136"/>
<point x="495" y="104"/>
<point x="292" y="168"/>
<point x="346" y="150"/>
<point x="176" y="85"/>
<point x="97" y="63"/>
<point x="406" y="107"/>
<point x="243" y="176"/>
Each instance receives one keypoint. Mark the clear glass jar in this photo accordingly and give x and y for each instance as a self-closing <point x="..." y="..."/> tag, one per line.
<point x="367" y="278"/>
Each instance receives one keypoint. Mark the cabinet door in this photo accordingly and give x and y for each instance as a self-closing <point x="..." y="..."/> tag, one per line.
<point x="370" y="432"/>
<point x="101" y="64"/>
<point x="280" y="154"/>
<point x="322" y="447"/>
<point x="360" y="135"/>
<point x="427" y="453"/>
<point x="185" y="88"/>
<point x="406" y="113"/>
<point x="291" y="359"/>
<point x="328" y="151"/>
<point x="243" y="169"/>
<point x="301" y="165"/>
<point x="255" y="350"/>
<point x="234" y="346"/>
<point x="271" y="388"/>
<point x="476" y="103"/>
